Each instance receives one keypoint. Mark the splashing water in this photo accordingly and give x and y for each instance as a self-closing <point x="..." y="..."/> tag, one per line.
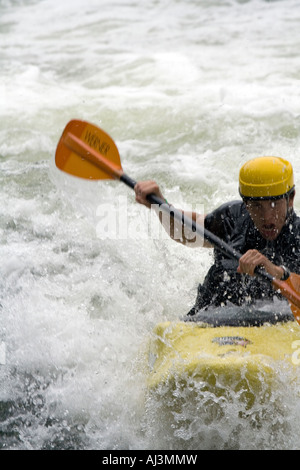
<point x="189" y="91"/>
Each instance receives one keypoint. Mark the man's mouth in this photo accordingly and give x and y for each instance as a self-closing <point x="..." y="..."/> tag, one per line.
<point x="269" y="230"/>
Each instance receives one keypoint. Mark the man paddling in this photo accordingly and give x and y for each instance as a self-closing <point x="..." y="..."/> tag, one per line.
<point x="263" y="227"/>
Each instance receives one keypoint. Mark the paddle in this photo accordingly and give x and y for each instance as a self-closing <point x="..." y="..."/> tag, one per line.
<point x="86" y="151"/>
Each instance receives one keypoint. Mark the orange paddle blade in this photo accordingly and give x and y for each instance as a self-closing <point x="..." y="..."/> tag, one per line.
<point x="80" y="149"/>
<point x="290" y="290"/>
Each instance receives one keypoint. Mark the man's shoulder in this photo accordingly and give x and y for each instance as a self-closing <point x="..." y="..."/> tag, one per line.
<point x="233" y="208"/>
<point x="294" y="224"/>
<point x="296" y="218"/>
<point x="222" y="220"/>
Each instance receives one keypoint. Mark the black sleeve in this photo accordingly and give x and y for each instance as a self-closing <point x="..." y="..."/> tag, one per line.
<point x="290" y="246"/>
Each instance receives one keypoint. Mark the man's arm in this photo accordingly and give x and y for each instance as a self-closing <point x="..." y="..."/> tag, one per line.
<point x="174" y="228"/>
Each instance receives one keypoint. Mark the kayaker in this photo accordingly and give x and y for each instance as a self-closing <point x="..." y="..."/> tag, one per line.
<point x="262" y="226"/>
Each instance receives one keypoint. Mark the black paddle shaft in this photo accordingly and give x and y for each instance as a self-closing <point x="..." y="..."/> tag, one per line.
<point x="194" y="227"/>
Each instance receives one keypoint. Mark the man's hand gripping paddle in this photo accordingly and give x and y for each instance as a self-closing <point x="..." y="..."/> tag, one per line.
<point x="86" y="151"/>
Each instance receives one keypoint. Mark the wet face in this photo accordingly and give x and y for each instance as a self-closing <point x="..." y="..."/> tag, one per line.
<point x="269" y="216"/>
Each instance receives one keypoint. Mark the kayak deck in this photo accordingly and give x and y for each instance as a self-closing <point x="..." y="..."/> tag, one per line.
<point x="185" y="349"/>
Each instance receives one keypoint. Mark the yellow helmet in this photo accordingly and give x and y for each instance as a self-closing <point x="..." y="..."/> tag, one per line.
<point x="266" y="178"/>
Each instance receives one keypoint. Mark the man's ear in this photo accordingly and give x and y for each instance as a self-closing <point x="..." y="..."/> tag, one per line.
<point x="291" y="198"/>
<point x="291" y="202"/>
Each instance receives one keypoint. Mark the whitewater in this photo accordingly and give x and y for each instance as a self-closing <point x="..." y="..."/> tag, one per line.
<point x="189" y="90"/>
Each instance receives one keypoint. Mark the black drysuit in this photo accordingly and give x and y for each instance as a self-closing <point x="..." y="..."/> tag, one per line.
<point x="232" y="223"/>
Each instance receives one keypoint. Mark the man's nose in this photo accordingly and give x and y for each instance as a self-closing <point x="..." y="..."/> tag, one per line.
<point x="268" y="214"/>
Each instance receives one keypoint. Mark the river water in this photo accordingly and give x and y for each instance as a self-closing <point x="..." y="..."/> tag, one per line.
<point x="189" y="90"/>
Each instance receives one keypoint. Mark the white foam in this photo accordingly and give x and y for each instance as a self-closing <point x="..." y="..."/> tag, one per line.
<point x="189" y="91"/>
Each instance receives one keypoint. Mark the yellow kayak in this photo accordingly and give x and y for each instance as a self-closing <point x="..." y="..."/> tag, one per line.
<point x="240" y="357"/>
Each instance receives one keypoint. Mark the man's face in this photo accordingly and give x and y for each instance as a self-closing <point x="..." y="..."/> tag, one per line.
<point x="269" y="216"/>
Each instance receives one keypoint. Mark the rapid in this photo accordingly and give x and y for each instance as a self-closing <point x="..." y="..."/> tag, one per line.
<point x="189" y="90"/>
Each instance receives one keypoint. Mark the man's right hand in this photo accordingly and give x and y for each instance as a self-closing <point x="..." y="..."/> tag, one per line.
<point x="143" y="189"/>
